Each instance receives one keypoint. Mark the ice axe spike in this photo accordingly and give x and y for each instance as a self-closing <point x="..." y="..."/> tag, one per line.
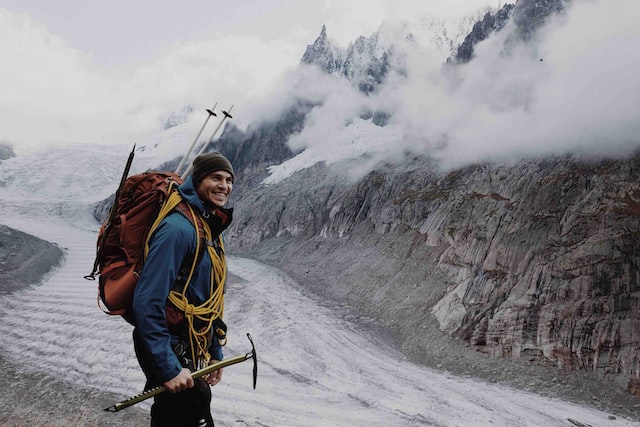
<point x="197" y="374"/>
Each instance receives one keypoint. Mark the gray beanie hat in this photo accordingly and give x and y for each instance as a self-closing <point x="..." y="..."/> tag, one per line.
<point x="207" y="163"/>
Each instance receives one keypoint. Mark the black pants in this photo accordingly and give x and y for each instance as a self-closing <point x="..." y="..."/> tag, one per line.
<point x="189" y="408"/>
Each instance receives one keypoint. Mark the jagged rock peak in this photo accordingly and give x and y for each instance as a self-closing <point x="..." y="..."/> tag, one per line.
<point x="323" y="33"/>
<point x="178" y="118"/>
<point x="365" y="63"/>
<point x="324" y="53"/>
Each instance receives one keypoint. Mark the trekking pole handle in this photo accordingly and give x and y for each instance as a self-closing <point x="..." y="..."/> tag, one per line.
<point x="186" y="156"/>
<point x="204" y="146"/>
<point x="197" y="374"/>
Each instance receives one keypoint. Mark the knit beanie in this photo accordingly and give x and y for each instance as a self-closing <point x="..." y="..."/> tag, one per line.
<point x="207" y="163"/>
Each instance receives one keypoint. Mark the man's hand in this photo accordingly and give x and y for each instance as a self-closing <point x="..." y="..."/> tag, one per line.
<point x="180" y="382"/>
<point x="216" y="376"/>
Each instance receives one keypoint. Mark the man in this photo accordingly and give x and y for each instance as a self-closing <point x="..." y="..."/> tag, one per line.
<point x="178" y="327"/>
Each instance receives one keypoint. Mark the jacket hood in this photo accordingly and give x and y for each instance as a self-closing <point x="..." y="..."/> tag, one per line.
<point x="188" y="191"/>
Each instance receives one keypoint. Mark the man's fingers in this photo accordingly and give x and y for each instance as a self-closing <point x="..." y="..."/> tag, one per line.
<point x="215" y="377"/>
<point x="180" y="382"/>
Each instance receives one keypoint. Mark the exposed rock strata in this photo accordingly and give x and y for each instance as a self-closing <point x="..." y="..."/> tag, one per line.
<point x="537" y="260"/>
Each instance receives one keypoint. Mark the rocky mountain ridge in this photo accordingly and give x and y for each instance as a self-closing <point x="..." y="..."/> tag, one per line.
<point x="538" y="260"/>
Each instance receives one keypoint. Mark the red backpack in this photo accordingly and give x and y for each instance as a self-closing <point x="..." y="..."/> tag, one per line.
<point x="141" y="203"/>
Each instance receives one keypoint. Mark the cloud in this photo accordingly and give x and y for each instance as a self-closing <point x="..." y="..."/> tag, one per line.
<point x="54" y="94"/>
<point x="28" y="95"/>
<point x="348" y="20"/>
<point x="574" y="88"/>
<point x="233" y="70"/>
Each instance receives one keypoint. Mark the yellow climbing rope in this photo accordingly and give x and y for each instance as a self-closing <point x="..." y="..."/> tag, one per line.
<point x="212" y="308"/>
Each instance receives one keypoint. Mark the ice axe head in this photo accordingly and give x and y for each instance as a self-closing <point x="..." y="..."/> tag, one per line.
<point x="253" y="356"/>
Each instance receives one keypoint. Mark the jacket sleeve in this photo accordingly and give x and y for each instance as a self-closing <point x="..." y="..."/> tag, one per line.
<point x="215" y="350"/>
<point x="169" y="245"/>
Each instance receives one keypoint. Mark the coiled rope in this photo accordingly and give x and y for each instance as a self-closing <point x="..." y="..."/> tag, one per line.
<point x="212" y="308"/>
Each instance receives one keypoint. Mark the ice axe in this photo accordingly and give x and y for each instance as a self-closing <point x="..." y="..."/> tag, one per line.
<point x="197" y="374"/>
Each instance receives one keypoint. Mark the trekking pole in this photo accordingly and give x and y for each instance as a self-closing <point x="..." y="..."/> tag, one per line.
<point x="197" y="374"/>
<point x="227" y="115"/>
<point x="112" y="213"/>
<point x="186" y="156"/>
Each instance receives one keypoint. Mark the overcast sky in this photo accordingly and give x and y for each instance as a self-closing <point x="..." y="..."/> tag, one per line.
<point x="103" y="71"/>
<point x="121" y="31"/>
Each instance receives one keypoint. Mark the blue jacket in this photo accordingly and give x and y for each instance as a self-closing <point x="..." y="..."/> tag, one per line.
<point x="172" y="242"/>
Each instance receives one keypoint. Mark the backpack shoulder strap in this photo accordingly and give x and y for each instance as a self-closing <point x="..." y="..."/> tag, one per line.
<point x="193" y="258"/>
<point x="167" y="207"/>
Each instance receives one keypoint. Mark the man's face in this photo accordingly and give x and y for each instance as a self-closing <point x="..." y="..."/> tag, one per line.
<point x="215" y="188"/>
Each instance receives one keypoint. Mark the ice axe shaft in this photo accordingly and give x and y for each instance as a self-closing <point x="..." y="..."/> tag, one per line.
<point x="197" y="374"/>
<point x="112" y="214"/>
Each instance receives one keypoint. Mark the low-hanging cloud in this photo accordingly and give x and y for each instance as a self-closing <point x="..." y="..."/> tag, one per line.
<point x="573" y="88"/>
<point x="54" y="94"/>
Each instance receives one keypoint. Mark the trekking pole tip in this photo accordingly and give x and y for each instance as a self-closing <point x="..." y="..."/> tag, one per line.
<point x="111" y="408"/>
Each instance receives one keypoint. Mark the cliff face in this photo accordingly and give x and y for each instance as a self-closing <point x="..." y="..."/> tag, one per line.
<point x="526" y="17"/>
<point x="253" y="151"/>
<point x="535" y="260"/>
<point x="490" y="23"/>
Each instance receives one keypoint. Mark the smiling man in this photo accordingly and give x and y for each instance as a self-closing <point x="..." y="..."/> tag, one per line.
<point x="179" y="297"/>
